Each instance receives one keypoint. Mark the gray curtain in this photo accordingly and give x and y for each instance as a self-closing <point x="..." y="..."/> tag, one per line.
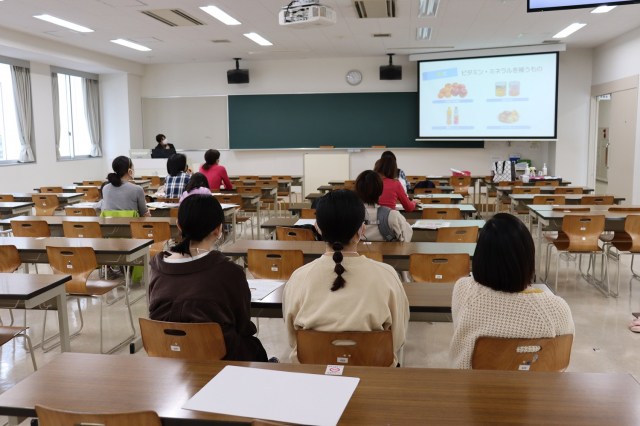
<point x="92" y="112"/>
<point x="21" y="78"/>
<point x="56" y="111"/>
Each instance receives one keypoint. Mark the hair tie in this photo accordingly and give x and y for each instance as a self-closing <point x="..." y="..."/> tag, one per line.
<point x="337" y="246"/>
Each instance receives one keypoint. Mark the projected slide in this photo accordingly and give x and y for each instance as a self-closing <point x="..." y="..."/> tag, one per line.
<point x="541" y="5"/>
<point x="500" y="97"/>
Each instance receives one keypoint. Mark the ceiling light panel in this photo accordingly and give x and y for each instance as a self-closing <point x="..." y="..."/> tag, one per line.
<point x="569" y="30"/>
<point x="220" y="15"/>
<point x="63" y="23"/>
<point x="131" y="45"/>
<point x="258" y="39"/>
<point x="424" y="33"/>
<point x="603" y="9"/>
<point x="428" y="8"/>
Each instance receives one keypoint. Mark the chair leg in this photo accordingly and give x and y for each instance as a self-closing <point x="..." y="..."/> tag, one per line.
<point x="635" y="275"/>
<point x="557" y="270"/>
<point x="33" y="357"/>
<point x="48" y="339"/>
<point x="128" y="338"/>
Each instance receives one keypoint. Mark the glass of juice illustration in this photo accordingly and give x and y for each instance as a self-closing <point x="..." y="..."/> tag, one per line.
<point x="501" y="89"/>
<point x="449" y="116"/>
<point x="514" y="88"/>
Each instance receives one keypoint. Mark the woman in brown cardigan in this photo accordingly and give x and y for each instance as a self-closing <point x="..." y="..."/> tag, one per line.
<point x="194" y="283"/>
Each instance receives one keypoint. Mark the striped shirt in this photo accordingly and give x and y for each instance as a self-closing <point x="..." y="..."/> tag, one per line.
<point x="174" y="185"/>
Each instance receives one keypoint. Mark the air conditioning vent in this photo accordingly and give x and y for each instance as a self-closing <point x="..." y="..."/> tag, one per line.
<point x="372" y="9"/>
<point x="382" y="35"/>
<point x="172" y="17"/>
<point x="221" y="41"/>
<point x="551" y="41"/>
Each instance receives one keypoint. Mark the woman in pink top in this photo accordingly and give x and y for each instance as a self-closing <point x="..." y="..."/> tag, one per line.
<point x="215" y="173"/>
<point x="393" y="189"/>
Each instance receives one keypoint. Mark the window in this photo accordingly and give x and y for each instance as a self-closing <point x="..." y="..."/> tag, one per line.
<point x="9" y="136"/>
<point x="75" y="140"/>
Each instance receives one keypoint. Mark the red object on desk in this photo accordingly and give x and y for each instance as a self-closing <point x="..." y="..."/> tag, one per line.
<point x="464" y="173"/>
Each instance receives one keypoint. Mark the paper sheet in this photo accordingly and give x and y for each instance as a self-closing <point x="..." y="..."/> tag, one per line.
<point x="227" y="206"/>
<point x="542" y="287"/>
<point x="309" y="399"/>
<point x="262" y="288"/>
<point x="430" y="224"/>
<point x="82" y="205"/>
<point x="160" y="205"/>
<point x="305" y="222"/>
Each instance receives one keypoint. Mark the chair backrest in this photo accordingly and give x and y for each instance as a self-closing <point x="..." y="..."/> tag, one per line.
<point x="173" y="212"/>
<point x="81" y="229"/>
<point x="451" y="213"/>
<point x="45" y="204"/>
<point x="441" y="200"/>
<point x="155" y="180"/>
<point x="623" y="209"/>
<point x="467" y="234"/>
<point x="249" y="177"/>
<point x="509" y="183"/>
<point x="370" y="348"/>
<point x="349" y="183"/>
<point x="230" y="199"/>
<point x="549" y="199"/>
<point x="281" y="177"/>
<point x="79" y="262"/>
<point x="373" y="255"/>
<point x="9" y="259"/>
<point x="91" y="193"/>
<point x="168" y="200"/>
<point x="266" y="183"/>
<point x="199" y="341"/>
<point x="30" y="228"/>
<point x="51" y="417"/>
<point x="308" y="214"/>
<point x="583" y="232"/>
<point x="545" y="354"/>
<point x="7" y="198"/>
<point x="159" y="232"/>
<point x="548" y="183"/>
<point x="413" y="179"/>
<point x="427" y="191"/>
<point x="274" y="264"/>
<point x="248" y="190"/>
<point x="80" y="211"/>
<point x="526" y="190"/>
<point x="460" y="181"/>
<point x="92" y="183"/>
<point x="51" y="189"/>
<point x="439" y="268"/>
<point x="294" y="234"/>
<point x="597" y="200"/>
<point x="571" y="209"/>
<point x="568" y="190"/>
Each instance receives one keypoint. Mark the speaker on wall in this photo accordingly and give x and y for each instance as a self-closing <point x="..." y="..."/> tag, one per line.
<point x="237" y="76"/>
<point x="391" y="72"/>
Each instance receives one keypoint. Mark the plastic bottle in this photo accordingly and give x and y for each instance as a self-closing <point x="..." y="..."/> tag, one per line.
<point x="544" y="169"/>
<point x="456" y="117"/>
<point x="449" y="116"/>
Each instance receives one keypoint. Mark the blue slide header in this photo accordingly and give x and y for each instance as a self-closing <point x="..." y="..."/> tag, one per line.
<point x="434" y="75"/>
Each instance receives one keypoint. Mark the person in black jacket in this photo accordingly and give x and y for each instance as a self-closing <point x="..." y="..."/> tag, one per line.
<point x="164" y="149"/>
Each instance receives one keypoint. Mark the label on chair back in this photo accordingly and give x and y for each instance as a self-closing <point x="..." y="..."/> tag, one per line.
<point x="524" y="367"/>
<point x="334" y="370"/>
<point x="274" y="268"/>
<point x="175" y="348"/>
<point x="438" y="277"/>
<point x="150" y="235"/>
<point x="343" y="360"/>
<point x="80" y="236"/>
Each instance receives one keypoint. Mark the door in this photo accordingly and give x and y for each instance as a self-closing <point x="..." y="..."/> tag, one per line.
<point x="622" y="143"/>
<point x="603" y="140"/>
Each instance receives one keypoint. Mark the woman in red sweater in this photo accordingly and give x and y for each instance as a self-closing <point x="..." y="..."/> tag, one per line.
<point x="393" y="189"/>
<point x="215" y="173"/>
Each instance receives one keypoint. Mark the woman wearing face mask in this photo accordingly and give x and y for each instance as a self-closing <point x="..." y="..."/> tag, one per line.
<point x="196" y="283"/>
<point x="164" y="149"/>
<point x="120" y="193"/>
<point x="343" y="291"/>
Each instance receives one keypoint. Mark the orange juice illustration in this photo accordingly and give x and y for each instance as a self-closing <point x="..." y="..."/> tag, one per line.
<point x="501" y="89"/>
<point x="449" y="116"/>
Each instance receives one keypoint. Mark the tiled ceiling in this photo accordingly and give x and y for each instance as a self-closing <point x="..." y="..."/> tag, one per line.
<point x="463" y="24"/>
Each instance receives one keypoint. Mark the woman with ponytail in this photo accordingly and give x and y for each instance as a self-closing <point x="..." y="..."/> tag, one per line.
<point x="194" y="282"/>
<point x="215" y="173"/>
<point x="120" y="194"/>
<point x="343" y="291"/>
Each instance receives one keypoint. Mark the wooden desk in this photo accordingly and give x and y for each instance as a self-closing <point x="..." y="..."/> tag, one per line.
<point x="251" y="201"/>
<point x="8" y="210"/>
<point x="136" y="181"/>
<point x="384" y="396"/>
<point x="521" y="201"/>
<point x="419" y="234"/>
<point x="296" y="180"/>
<point x="28" y="291"/>
<point x="492" y="186"/>
<point x="466" y="210"/>
<point x="144" y="184"/>
<point x="455" y="198"/>
<point x="394" y="254"/>
<point x="63" y="199"/>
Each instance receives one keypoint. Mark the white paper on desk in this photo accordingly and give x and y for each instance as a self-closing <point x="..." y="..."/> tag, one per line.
<point x="305" y="222"/>
<point x="262" y="288"/>
<point x="82" y="205"/>
<point x="162" y="205"/>
<point x="309" y="399"/>
<point x="226" y="206"/>
<point x="434" y="176"/>
<point x="542" y="287"/>
<point x="429" y="224"/>
<point x="424" y="196"/>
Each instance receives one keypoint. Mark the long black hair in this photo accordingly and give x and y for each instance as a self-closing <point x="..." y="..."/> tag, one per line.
<point x="339" y="215"/>
<point x="210" y="158"/>
<point x="199" y="215"/>
<point x="176" y="163"/>
<point x="120" y="166"/>
<point x="197" y="180"/>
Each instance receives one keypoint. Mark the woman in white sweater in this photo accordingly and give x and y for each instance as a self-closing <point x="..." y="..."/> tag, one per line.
<point x="343" y="291"/>
<point x="394" y="226"/>
<point x="498" y="301"/>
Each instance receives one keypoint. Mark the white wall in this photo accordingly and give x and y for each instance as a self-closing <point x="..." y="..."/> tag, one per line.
<point x="46" y="171"/>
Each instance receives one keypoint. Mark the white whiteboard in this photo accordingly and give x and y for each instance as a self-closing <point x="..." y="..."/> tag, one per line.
<point x="319" y="169"/>
<point x="189" y="122"/>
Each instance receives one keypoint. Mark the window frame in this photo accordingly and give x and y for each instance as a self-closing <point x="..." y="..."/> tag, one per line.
<point x="6" y="60"/>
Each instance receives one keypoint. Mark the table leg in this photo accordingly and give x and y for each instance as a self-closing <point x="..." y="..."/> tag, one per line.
<point x="539" y="248"/>
<point x="258" y="216"/>
<point x="63" y="320"/>
<point x="145" y="274"/>
<point x="234" y="225"/>
<point x="487" y="201"/>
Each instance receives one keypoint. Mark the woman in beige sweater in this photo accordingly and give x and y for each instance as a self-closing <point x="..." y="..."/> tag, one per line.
<point x="343" y="291"/>
<point x="498" y="301"/>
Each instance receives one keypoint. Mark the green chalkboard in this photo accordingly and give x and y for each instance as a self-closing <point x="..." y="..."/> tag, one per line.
<point x="344" y="120"/>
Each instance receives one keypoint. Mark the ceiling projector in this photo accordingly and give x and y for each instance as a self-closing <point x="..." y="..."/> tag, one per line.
<point x="307" y="14"/>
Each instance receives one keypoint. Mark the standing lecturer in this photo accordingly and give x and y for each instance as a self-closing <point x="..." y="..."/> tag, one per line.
<point x="164" y="149"/>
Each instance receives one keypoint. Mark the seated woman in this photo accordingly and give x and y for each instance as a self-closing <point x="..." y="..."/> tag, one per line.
<point x="393" y="189"/>
<point x="382" y="223"/>
<point x="119" y="194"/>
<point x="498" y="301"/>
<point x="402" y="177"/>
<point x="215" y="173"/>
<point x="195" y="283"/>
<point x="198" y="184"/>
<point x="343" y="291"/>
<point x="177" y="179"/>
